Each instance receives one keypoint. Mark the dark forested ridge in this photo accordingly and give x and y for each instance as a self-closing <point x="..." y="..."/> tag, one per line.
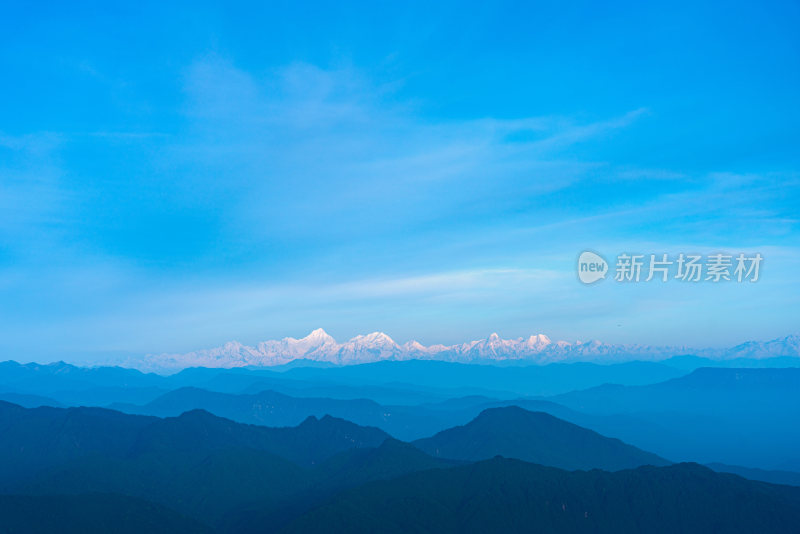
<point x="90" y="513"/>
<point x="509" y="496"/>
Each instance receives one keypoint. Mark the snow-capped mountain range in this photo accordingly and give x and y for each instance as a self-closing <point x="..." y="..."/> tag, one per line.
<point x="318" y="346"/>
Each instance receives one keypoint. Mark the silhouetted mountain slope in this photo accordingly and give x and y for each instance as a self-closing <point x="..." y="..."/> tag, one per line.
<point x="60" y="376"/>
<point x="509" y="496"/>
<point x="197" y="463"/>
<point x="403" y="422"/>
<point x="690" y="362"/>
<point x="391" y="459"/>
<point x="391" y="382"/>
<point x="38" y="438"/>
<point x="209" y="468"/>
<point x="28" y="400"/>
<point x="311" y="442"/>
<point x="275" y="409"/>
<point x="733" y="416"/>
<point x="204" y="485"/>
<point x="90" y="513"/>
<point x="708" y="390"/>
<point x="348" y="469"/>
<point x="106" y="396"/>
<point x="247" y="478"/>
<point x="789" y="478"/>
<point x="535" y="437"/>
<point x="520" y="380"/>
<point x="33" y="439"/>
<point x="69" y="385"/>
<point x="395" y="382"/>
<point x="403" y="394"/>
<point x="266" y="408"/>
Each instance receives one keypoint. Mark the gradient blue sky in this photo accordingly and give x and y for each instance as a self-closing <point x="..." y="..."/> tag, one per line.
<point x="176" y="176"/>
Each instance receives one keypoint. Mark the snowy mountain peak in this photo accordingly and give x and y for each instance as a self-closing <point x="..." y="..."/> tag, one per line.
<point x="538" y="341"/>
<point x="377" y="338"/>
<point x="320" y="336"/>
<point x="415" y="346"/>
<point x="318" y="333"/>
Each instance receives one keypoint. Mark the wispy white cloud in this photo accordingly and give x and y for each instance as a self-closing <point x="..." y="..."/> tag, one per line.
<point x="325" y="152"/>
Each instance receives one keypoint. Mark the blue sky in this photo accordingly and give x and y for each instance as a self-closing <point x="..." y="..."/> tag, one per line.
<point x="174" y="177"/>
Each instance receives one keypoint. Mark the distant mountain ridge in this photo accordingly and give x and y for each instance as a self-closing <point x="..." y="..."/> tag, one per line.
<point x="388" y="382"/>
<point x="319" y="346"/>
